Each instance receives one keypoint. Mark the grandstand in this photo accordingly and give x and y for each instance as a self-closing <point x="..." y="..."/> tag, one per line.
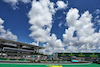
<point x="13" y="50"/>
<point x="93" y="57"/>
<point x="18" y="52"/>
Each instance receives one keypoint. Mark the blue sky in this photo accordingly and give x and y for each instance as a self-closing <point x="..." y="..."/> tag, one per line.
<point x="17" y="19"/>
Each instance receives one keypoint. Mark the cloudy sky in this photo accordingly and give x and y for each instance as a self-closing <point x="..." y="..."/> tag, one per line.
<point x="58" y="25"/>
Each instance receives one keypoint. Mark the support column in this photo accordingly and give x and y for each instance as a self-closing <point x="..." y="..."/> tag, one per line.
<point x="1" y="49"/>
<point x="34" y="50"/>
<point x="38" y="50"/>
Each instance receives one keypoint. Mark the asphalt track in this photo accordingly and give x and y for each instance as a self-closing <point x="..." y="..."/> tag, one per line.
<point x="47" y="65"/>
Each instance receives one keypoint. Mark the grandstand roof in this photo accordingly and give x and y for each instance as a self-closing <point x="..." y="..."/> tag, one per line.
<point x="2" y="41"/>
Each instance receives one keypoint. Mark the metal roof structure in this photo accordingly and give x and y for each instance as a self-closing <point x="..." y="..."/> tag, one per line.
<point x="79" y="54"/>
<point x="15" y="49"/>
<point x="11" y="48"/>
<point x="2" y="41"/>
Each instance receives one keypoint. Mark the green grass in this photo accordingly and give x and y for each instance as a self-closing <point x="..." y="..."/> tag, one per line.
<point x="37" y="65"/>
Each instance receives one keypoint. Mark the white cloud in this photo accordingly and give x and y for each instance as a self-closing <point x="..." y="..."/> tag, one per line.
<point x="72" y="16"/>
<point x="41" y="20"/>
<point x="60" y="24"/>
<point x="16" y="2"/>
<point x="86" y="34"/>
<point x="11" y="1"/>
<point x="33" y="43"/>
<point x="1" y="26"/>
<point x="97" y="11"/>
<point x="68" y="36"/>
<point x="1" y="21"/>
<point x="59" y="50"/>
<point x="72" y="48"/>
<point x="61" y="5"/>
<point x="97" y="19"/>
<point x="25" y="1"/>
<point x="41" y="23"/>
<point x="6" y="34"/>
<point x="52" y="44"/>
